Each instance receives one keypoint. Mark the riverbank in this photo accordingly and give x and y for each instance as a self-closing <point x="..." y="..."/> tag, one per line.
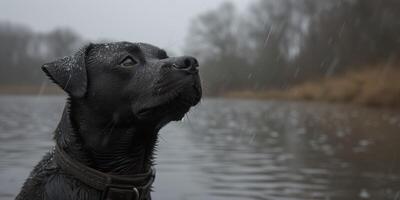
<point x="370" y="87"/>
<point x="30" y="89"/>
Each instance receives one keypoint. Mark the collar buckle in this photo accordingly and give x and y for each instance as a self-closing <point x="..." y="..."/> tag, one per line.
<point x="115" y="192"/>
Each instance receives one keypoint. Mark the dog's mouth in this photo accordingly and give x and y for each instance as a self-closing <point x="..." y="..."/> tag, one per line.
<point x="173" y="105"/>
<point x="180" y="101"/>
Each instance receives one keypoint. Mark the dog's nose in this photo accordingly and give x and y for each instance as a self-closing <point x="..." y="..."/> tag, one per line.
<point x="186" y="63"/>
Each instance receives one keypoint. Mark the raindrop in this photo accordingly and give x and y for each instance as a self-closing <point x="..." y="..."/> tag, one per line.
<point x="274" y="134"/>
<point x="364" y="143"/>
<point x="267" y="38"/>
<point x="364" y="194"/>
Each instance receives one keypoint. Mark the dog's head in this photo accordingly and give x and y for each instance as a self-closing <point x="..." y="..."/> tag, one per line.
<point x="129" y="80"/>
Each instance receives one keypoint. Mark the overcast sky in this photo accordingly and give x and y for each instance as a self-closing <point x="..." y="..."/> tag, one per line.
<point x="160" y="22"/>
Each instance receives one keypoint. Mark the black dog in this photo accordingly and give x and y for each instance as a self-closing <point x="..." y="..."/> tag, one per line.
<point x="120" y="96"/>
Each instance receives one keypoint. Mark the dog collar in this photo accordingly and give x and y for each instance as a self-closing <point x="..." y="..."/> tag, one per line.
<point x="113" y="187"/>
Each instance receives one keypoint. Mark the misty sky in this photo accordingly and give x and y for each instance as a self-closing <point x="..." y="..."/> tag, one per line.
<point x="160" y="22"/>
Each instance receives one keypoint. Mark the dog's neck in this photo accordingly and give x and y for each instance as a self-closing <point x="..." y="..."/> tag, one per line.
<point x="106" y="144"/>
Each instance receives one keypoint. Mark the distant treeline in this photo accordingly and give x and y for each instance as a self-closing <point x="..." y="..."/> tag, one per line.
<point x="272" y="44"/>
<point x="275" y="44"/>
<point x="23" y="51"/>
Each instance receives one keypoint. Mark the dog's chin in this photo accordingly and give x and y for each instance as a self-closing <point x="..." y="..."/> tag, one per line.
<point x="173" y="108"/>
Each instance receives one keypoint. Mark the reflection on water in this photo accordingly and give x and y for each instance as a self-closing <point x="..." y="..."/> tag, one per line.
<point x="232" y="149"/>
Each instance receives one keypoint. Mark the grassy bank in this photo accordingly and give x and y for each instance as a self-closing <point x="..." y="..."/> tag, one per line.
<point x="371" y="87"/>
<point x="30" y="89"/>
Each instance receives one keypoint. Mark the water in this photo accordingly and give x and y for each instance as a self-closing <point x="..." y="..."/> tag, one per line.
<point x="236" y="149"/>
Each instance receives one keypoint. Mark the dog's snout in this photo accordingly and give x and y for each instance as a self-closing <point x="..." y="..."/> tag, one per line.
<point x="190" y="62"/>
<point x="186" y="63"/>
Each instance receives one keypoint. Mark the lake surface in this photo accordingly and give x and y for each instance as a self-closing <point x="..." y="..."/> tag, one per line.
<point x="237" y="149"/>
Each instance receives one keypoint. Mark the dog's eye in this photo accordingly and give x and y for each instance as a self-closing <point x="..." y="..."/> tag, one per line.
<point x="128" y="62"/>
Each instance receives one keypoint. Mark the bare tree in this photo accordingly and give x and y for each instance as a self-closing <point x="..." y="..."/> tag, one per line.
<point x="23" y="52"/>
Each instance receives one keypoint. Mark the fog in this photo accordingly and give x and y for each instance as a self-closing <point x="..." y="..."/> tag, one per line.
<point x="160" y="22"/>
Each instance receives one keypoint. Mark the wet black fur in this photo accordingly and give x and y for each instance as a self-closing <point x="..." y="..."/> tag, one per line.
<point x="113" y="114"/>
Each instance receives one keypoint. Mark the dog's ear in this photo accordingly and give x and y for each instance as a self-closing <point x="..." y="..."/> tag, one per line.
<point x="70" y="72"/>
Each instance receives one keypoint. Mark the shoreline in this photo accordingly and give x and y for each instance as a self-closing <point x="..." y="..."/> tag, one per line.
<point x="370" y="87"/>
<point x="373" y="87"/>
<point x="30" y="90"/>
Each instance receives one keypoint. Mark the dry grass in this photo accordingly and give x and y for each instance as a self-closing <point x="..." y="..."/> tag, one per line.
<point x="30" y="89"/>
<point x="372" y="87"/>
